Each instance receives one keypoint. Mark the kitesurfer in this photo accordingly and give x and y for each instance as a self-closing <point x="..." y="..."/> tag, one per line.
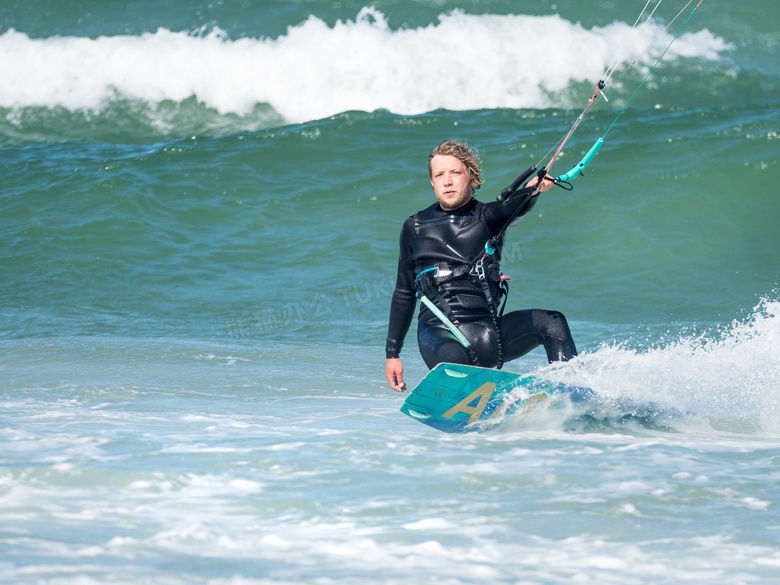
<point x="442" y="258"/>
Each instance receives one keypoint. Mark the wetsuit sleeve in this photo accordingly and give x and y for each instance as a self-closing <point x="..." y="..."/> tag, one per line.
<point x="498" y="213"/>
<point x="404" y="299"/>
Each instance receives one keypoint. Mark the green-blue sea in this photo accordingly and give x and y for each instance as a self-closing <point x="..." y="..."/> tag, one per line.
<point x="200" y="204"/>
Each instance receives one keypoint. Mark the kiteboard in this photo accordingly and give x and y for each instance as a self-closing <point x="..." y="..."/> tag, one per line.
<point x="457" y="398"/>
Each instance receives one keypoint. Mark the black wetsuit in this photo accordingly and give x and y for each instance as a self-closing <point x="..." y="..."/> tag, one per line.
<point x="448" y="242"/>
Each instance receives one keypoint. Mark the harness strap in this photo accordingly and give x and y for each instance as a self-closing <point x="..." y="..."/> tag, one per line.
<point x="446" y="319"/>
<point x="479" y="268"/>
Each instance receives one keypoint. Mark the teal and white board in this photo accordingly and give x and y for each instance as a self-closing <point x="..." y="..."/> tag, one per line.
<point x="456" y="398"/>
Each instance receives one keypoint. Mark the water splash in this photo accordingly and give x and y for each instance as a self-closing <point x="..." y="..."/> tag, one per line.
<point x="728" y="376"/>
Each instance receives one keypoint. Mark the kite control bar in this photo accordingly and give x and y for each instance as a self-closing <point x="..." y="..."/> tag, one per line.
<point x="506" y="193"/>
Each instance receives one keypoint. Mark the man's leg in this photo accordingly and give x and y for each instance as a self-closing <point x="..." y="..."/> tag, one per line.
<point x="522" y="331"/>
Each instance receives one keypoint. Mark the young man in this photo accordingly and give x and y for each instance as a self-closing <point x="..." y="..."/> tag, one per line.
<point x="441" y="248"/>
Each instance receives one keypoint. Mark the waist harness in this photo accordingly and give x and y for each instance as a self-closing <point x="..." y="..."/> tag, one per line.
<point x="428" y="285"/>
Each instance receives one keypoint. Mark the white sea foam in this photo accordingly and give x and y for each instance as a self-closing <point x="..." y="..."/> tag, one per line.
<point x="461" y="62"/>
<point x="730" y="372"/>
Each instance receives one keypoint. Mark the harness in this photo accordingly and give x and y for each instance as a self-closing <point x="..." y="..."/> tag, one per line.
<point x="429" y="280"/>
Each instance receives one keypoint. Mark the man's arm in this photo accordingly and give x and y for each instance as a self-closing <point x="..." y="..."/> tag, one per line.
<point x="507" y="210"/>
<point x="402" y="307"/>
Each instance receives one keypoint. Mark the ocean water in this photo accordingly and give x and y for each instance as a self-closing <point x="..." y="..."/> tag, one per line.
<point x="199" y="214"/>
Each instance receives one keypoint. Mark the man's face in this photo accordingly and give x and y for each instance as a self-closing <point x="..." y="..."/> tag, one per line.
<point x="451" y="182"/>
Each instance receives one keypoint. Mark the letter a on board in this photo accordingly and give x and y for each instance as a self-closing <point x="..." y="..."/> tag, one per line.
<point x="483" y="393"/>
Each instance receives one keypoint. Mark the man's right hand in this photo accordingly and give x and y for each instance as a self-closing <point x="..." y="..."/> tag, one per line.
<point x="394" y="372"/>
<point x="547" y="183"/>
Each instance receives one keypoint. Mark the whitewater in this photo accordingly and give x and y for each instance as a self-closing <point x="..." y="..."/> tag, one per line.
<point x="315" y="70"/>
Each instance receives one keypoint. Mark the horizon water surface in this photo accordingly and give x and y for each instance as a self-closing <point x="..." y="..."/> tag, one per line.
<point x="199" y="221"/>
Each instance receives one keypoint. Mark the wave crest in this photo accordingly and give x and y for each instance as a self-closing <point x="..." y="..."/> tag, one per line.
<point x="461" y="62"/>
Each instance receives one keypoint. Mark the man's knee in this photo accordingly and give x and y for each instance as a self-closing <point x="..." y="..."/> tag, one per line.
<point x="552" y="324"/>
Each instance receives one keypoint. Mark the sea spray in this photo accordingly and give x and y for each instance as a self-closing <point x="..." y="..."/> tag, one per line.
<point x="730" y="372"/>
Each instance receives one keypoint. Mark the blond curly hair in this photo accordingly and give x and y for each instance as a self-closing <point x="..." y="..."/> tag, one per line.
<point x="461" y="151"/>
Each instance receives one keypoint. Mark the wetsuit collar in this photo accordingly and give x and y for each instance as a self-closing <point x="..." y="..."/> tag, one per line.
<point x="463" y="209"/>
